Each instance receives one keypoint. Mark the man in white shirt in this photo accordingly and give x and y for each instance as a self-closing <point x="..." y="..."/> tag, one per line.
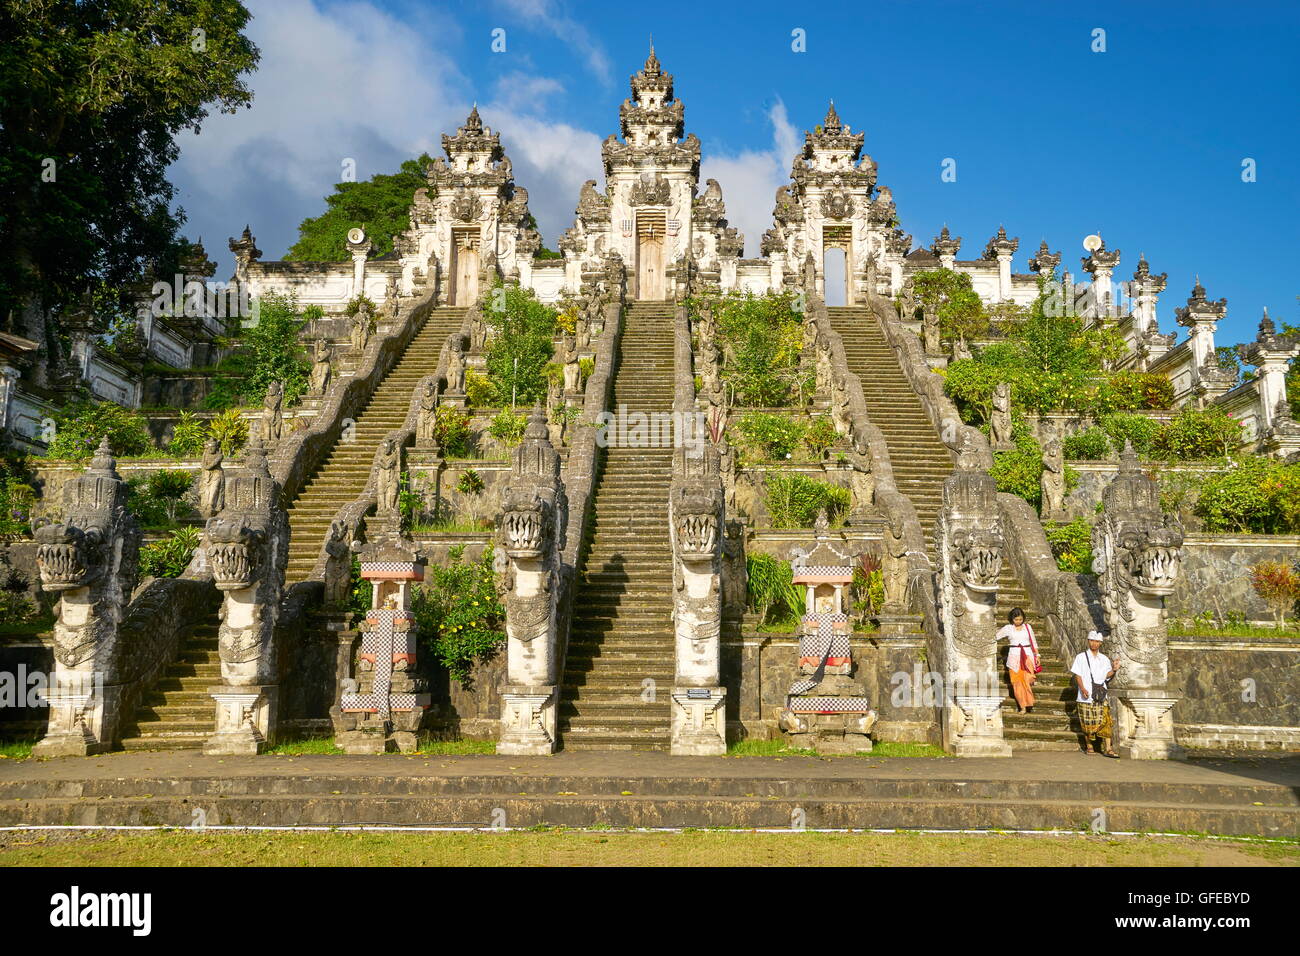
<point x="1092" y="670"/>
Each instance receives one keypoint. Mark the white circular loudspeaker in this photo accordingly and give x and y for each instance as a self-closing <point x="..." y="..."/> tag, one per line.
<point x="356" y="235"/>
<point x="1092" y="243"/>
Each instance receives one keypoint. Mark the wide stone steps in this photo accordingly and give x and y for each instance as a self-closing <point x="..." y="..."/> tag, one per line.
<point x="178" y="713"/>
<point x="921" y="463"/>
<point x="344" y="470"/>
<point x="621" y="634"/>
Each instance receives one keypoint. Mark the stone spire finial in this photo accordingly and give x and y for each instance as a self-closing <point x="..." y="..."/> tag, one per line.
<point x="1102" y="259"/>
<point x="822" y="525"/>
<point x="1001" y="245"/>
<point x="945" y="244"/>
<point x="1266" y="326"/>
<point x="536" y="427"/>
<point x="831" y="123"/>
<point x="103" y="462"/>
<point x="473" y="121"/>
<point x="1044" y="261"/>
<point x="652" y="66"/>
<point x="1128" y="459"/>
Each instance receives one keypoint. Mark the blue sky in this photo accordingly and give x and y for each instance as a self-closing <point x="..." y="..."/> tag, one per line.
<point x="1144" y="142"/>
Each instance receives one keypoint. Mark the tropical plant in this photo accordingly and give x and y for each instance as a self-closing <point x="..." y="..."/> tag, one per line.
<point x="1091" y="444"/>
<point x="820" y="436"/>
<point x="959" y="309"/>
<point x="17" y="497"/>
<point x="1197" y="434"/>
<point x="521" y="346"/>
<point x="770" y="591"/>
<point x="761" y="338"/>
<point x="771" y="435"/>
<point x="158" y="500"/>
<point x="230" y="429"/>
<point x="470" y="482"/>
<point x="170" y="557"/>
<point x="479" y="390"/>
<point x="451" y="427"/>
<point x="1138" y="429"/>
<point x="188" y="436"/>
<point x="1071" y="545"/>
<point x="794" y="501"/>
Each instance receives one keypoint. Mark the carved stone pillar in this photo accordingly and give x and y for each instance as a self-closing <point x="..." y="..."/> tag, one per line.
<point x="359" y="246"/>
<point x="1138" y="552"/>
<point x="970" y="556"/>
<point x="247" y="548"/>
<point x="1271" y="354"/>
<point x="1100" y="264"/>
<point x="90" y="560"/>
<point x="530" y="537"/>
<point x="695" y="517"/>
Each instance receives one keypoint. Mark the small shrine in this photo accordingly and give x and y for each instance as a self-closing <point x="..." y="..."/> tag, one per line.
<point x="826" y="710"/>
<point x="384" y="703"/>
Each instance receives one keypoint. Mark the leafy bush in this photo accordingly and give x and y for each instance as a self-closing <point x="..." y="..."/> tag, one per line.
<point x="821" y="435"/>
<point x="522" y="344"/>
<point x="451" y="426"/>
<point x="868" y="586"/>
<point x="1140" y="430"/>
<point x="508" y="427"/>
<point x="960" y="311"/>
<point x="460" y="619"/>
<point x="1071" y="545"/>
<point x="773" y="436"/>
<point x="470" y="483"/>
<point x="80" y="426"/>
<point x="1278" y="584"/>
<point x="794" y="501"/>
<point x="17" y="609"/>
<point x="268" y="349"/>
<point x="1259" y="495"/>
<point x="1134" y="390"/>
<point x="170" y="557"/>
<point x="479" y="390"/>
<point x="761" y="339"/>
<point x="770" y="591"/>
<point x="17" y="497"/>
<point x="1196" y="434"/>
<point x="1088" y="445"/>
<point x="585" y="367"/>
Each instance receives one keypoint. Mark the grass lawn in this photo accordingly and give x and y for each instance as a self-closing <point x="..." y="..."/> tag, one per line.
<point x="1227" y="631"/>
<point x="326" y="745"/>
<point x="779" y="748"/>
<point x="16" y="749"/>
<point x="618" y="848"/>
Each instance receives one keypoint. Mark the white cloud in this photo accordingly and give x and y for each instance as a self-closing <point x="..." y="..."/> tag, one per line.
<point x="750" y="178"/>
<point x="544" y="14"/>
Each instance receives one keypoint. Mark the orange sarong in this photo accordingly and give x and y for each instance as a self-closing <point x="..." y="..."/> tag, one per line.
<point x="1022" y="686"/>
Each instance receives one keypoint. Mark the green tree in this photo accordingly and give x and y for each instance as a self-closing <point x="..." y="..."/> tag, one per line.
<point x="523" y="343"/>
<point x="93" y="97"/>
<point x="961" y="313"/>
<point x="269" y="349"/>
<point x="380" y="205"/>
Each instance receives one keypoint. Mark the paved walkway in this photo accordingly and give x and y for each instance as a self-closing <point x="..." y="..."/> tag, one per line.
<point x="1264" y="770"/>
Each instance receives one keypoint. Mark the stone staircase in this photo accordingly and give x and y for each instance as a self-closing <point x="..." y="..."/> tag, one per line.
<point x="342" y="473"/>
<point x="622" y="631"/>
<point x="921" y="464"/>
<point x="178" y="713"/>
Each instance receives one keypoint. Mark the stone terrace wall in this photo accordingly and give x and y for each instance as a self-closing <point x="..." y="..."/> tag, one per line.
<point x="1237" y="694"/>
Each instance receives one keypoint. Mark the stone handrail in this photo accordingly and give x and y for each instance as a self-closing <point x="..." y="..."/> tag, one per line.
<point x="928" y="386"/>
<point x="683" y="366"/>
<point x="893" y="505"/>
<point x="354" y="513"/>
<point x="299" y="453"/>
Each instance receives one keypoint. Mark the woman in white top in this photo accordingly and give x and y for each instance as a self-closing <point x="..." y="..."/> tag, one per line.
<point x="1022" y="658"/>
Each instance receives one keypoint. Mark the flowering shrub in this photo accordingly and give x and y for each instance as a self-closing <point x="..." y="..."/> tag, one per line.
<point x="1071" y="545"/>
<point x="1278" y="584"/>
<point x="1258" y="495"/>
<point x="762" y="337"/>
<point x="770" y="435"/>
<point x="460" y="619"/>
<point x="1088" y="445"/>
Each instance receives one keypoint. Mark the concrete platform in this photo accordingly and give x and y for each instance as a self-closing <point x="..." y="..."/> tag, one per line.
<point x="1038" y="791"/>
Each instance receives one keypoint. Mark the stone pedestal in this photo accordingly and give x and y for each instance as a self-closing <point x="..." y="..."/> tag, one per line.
<point x="699" y="725"/>
<point x="246" y="716"/>
<point x="79" y="722"/>
<point x="1144" y="726"/>
<point x="835" y="719"/>
<point x="528" y="720"/>
<point x="975" y="727"/>
<point x="909" y="702"/>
